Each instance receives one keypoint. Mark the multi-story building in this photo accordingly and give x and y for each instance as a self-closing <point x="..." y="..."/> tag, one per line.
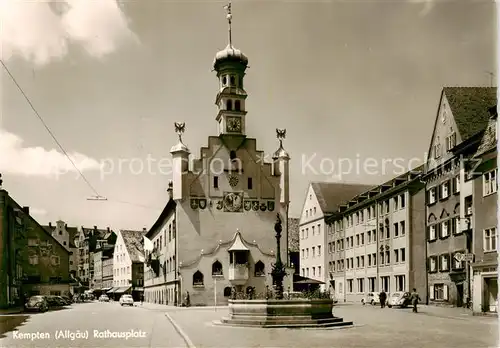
<point x="376" y="240"/>
<point x="322" y="200"/>
<point x="128" y="264"/>
<point x="461" y="118"/>
<point x="227" y="202"/>
<point x="107" y="270"/>
<point x="32" y="261"/>
<point x="160" y="285"/>
<point x="100" y="255"/>
<point x="484" y="175"/>
<point x="66" y="236"/>
<point x="294" y="244"/>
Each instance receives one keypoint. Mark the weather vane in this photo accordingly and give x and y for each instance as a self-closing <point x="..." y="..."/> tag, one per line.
<point x="180" y="127"/>
<point x="229" y="17"/>
<point x="280" y="134"/>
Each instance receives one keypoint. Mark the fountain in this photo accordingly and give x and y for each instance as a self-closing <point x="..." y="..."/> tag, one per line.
<point x="272" y="310"/>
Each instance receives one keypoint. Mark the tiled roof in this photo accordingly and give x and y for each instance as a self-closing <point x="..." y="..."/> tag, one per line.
<point x="134" y="243"/>
<point x="469" y="106"/>
<point x="489" y="140"/>
<point x="331" y="195"/>
<point x="293" y="234"/>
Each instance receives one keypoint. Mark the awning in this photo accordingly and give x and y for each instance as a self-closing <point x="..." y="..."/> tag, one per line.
<point x="138" y="289"/>
<point x="309" y="281"/>
<point x="122" y="289"/>
<point x="106" y="289"/>
<point x="238" y="244"/>
<point x="112" y="290"/>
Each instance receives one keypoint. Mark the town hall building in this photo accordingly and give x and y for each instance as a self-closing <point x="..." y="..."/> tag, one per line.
<point x="216" y="232"/>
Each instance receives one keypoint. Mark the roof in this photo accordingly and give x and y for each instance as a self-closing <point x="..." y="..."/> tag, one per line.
<point x="489" y="139"/>
<point x="134" y="244"/>
<point x="331" y="195"/>
<point x="237" y="244"/>
<point x="469" y="106"/>
<point x="293" y="234"/>
<point x="72" y="231"/>
<point x="169" y="207"/>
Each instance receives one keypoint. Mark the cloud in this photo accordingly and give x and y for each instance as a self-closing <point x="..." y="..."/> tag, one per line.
<point x="37" y="211"/>
<point x="37" y="161"/>
<point x="427" y="8"/>
<point x="41" y="31"/>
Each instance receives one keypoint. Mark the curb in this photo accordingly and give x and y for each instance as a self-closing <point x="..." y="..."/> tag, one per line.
<point x="181" y="332"/>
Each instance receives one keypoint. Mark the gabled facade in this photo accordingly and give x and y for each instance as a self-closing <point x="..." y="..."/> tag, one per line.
<point x="461" y="119"/>
<point x="484" y="176"/>
<point x="322" y="200"/>
<point x="66" y="236"/>
<point x="229" y="187"/>
<point x="32" y="261"/>
<point x="376" y="240"/>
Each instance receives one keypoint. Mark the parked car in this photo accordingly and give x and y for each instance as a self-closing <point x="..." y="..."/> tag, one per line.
<point x="371" y="298"/>
<point x="399" y="299"/>
<point x="63" y="301"/>
<point x="54" y="301"/>
<point x="67" y="299"/>
<point x="126" y="300"/>
<point x="37" y="304"/>
<point x="104" y="298"/>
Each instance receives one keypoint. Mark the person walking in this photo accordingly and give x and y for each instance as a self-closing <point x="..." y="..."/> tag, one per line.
<point x="383" y="297"/>
<point x="415" y="297"/>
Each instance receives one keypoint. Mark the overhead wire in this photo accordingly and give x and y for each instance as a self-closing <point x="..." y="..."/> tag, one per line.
<point x="47" y="128"/>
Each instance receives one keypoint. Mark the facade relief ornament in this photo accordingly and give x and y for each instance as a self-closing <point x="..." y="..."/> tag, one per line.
<point x="233" y="202"/>
<point x="233" y="180"/>
<point x="255" y="205"/>
<point x="248" y="205"/>
<point x="270" y="205"/>
<point x="202" y="203"/>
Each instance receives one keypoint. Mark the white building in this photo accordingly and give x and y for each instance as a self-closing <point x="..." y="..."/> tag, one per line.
<point x="322" y="200"/>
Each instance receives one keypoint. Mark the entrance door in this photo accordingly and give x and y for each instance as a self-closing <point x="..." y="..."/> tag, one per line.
<point x="460" y="295"/>
<point x="491" y="294"/>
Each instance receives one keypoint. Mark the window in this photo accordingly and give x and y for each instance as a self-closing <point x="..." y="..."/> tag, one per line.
<point x="229" y="105"/>
<point x="314" y="209"/>
<point x="216" y="182"/>
<point x="362" y="262"/>
<point x="456" y="263"/>
<point x="224" y="80"/>
<point x="362" y="239"/>
<point x="198" y="279"/>
<point x="357" y="262"/>
<point x="456" y="184"/>
<point x="402" y="201"/>
<point x="396" y="229"/>
<point x="444" y="262"/>
<point x="387" y="257"/>
<point x="232" y="80"/>
<point x="260" y="270"/>
<point x="361" y="285"/>
<point x="432" y="232"/>
<point x="439" y="292"/>
<point x="319" y="229"/>
<point x="217" y="269"/>
<point x="312" y="231"/>
<point x="451" y="141"/>
<point x="437" y="150"/>
<point x="319" y="250"/>
<point x="456" y="226"/>
<point x="432" y="195"/>
<point x="350" y="285"/>
<point x="369" y="260"/>
<point x="402" y="254"/>
<point x="307" y="253"/>
<point x="314" y="271"/>
<point x="445" y="190"/>
<point x="395" y="203"/>
<point x="33" y="260"/>
<point x="237" y="105"/>
<point x="400" y="282"/>
<point x="490" y="183"/>
<point x="313" y="252"/>
<point x="402" y="228"/>
<point x="490" y="239"/>
<point x="382" y="261"/>
<point x="319" y="271"/>
<point x="371" y="284"/>
<point x="368" y="237"/>
<point x="445" y="229"/>
<point x="396" y="255"/>
<point x="357" y="240"/>
<point x="55" y="260"/>
<point x="385" y="283"/>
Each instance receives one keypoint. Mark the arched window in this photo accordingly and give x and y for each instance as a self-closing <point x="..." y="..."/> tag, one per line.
<point x="198" y="279"/>
<point x="259" y="269"/>
<point x="456" y="211"/>
<point x="169" y="232"/>
<point x="229" y="105"/>
<point x="227" y="291"/>
<point x="431" y="218"/>
<point x="216" y="268"/>
<point x="232" y="80"/>
<point x="237" y="105"/>
<point x="224" y="80"/>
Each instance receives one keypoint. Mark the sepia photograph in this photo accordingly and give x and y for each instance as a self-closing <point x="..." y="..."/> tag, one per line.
<point x="249" y="173"/>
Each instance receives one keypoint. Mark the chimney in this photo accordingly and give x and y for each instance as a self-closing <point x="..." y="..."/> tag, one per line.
<point x="95" y="228"/>
<point x="108" y="229"/>
<point x="170" y="189"/>
<point x="144" y="230"/>
<point x="26" y="210"/>
<point x="50" y="224"/>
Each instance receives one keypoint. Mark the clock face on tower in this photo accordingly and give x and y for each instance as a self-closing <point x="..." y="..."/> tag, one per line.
<point x="233" y="124"/>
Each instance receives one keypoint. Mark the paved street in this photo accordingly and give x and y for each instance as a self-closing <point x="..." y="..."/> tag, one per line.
<point x="374" y="327"/>
<point x="87" y="317"/>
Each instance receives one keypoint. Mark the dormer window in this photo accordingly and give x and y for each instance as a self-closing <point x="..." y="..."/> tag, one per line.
<point x="229" y="105"/>
<point x="237" y="105"/>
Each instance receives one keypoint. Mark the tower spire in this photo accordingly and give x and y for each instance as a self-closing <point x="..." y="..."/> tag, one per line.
<point x="229" y="17"/>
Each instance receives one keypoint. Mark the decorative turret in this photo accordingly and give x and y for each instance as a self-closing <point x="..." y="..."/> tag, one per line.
<point x="281" y="167"/>
<point x="230" y="65"/>
<point x="180" y="161"/>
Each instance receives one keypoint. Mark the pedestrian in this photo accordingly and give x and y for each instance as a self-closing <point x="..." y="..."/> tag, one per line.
<point x="383" y="297"/>
<point x="142" y="299"/>
<point x="415" y="297"/>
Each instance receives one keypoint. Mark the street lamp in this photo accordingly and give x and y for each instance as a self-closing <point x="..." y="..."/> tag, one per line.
<point x="278" y="269"/>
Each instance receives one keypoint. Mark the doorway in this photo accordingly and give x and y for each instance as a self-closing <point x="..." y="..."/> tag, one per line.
<point x="460" y="295"/>
<point x="490" y="295"/>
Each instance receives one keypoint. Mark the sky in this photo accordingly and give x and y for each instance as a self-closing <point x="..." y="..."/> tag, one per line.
<point x="353" y="82"/>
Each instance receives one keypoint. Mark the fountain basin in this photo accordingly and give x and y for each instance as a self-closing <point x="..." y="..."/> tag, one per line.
<point x="293" y="313"/>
